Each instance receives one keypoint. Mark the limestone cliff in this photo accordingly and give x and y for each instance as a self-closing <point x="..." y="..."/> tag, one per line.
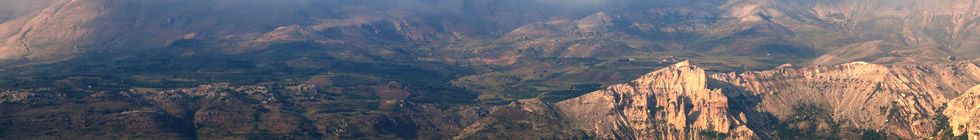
<point x="853" y="100"/>
<point x="899" y="100"/>
<point x="671" y="103"/>
<point x="964" y="114"/>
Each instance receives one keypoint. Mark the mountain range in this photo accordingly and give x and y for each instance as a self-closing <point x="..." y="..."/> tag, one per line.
<point x="489" y="69"/>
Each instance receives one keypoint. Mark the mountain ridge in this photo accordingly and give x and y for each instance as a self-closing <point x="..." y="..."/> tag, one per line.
<point x="683" y="102"/>
<point x="489" y="69"/>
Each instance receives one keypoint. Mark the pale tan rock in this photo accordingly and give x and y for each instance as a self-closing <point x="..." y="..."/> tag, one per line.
<point x="50" y="31"/>
<point x="682" y="102"/>
<point x="964" y="114"/>
<point x="899" y="99"/>
<point x="671" y="103"/>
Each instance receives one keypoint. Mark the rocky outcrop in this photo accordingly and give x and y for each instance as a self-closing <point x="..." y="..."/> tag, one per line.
<point x="964" y="114"/>
<point x="901" y="100"/>
<point x="681" y="101"/>
<point x="672" y="103"/>
<point x="25" y="95"/>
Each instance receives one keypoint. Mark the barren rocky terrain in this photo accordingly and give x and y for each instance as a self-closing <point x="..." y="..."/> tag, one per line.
<point x="489" y="69"/>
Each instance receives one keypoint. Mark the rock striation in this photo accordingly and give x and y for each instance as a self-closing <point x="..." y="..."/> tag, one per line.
<point x="853" y="100"/>
<point x="672" y="103"/>
<point x="901" y="100"/>
<point x="964" y="114"/>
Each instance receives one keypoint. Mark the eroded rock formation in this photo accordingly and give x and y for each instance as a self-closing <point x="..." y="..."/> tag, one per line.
<point x="964" y="114"/>
<point x="852" y="100"/>
<point x="672" y="103"/>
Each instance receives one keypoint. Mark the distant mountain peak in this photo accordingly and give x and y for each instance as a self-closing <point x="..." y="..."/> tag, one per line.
<point x="595" y="20"/>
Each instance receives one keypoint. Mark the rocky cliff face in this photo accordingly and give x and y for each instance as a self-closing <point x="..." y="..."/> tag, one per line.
<point x="851" y="100"/>
<point x="901" y="100"/>
<point x="964" y="114"/>
<point x="672" y="103"/>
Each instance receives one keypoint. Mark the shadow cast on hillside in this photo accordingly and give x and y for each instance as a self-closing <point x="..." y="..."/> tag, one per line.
<point x="741" y="101"/>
